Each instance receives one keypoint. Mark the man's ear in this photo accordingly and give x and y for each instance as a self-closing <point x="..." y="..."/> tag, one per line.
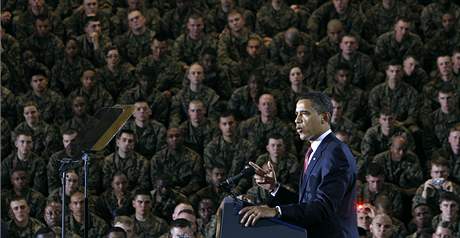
<point x="325" y="117"/>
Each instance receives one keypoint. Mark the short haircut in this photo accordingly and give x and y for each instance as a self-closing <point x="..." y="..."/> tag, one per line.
<point x="226" y="113"/>
<point x="385" y="111"/>
<point x="125" y="131"/>
<point x="375" y="170"/>
<point x="180" y="223"/>
<point x="208" y="51"/>
<point x="17" y="198"/>
<point x="275" y="136"/>
<point x="448" y="196"/>
<point x="234" y="12"/>
<point x="351" y="35"/>
<point x="455" y="127"/>
<point x="41" y="17"/>
<point x="440" y="161"/>
<point x="19" y="132"/>
<point x="402" y="18"/>
<point x="44" y="231"/>
<point x="69" y="131"/>
<point x="393" y="62"/>
<point x="447" y="88"/>
<point x="320" y="101"/>
<point x="116" y="230"/>
<point x="342" y="66"/>
<point x="142" y="192"/>
<point x="38" y="72"/>
<point x="124" y="220"/>
<point x="29" y="104"/>
<point x="91" y="19"/>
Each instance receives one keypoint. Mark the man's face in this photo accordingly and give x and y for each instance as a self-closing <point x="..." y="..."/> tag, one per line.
<point x="113" y="57"/>
<point x="449" y="210"/>
<point x="174" y="138"/>
<point x="448" y="22"/>
<point x="439" y="171"/>
<point x="374" y="184"/>
<point x="90" y="7"/>
<point x="208" y="61"/>
<point x="217" y="176"/>
<point x="37" y="5"/>
<point x="88" y="79"/>
<point x="364" y="219"/>
<point x="446" y="100"/>
<point x="454" y="141"/>
<point x="334" y="33"/>
<point x="444" y="64"/>
<point x="196" y="112"/>
<point x="340" y="5"/>
<point x="227" y="126"/>
<point x="19" y="180"/>
<point x="254" y="85"/>
<point x="442" y="232"/>
<point x="337" y="110"/>
<point x="342" y="77"/>
<point x="42" y="27"/>
<point x="142" y="111"/>
<point x="52" y="214"/>
<point x="71" y="48"/>
<point x="401" y="29"/>
<point x="20" y="210"/>
<point x="39" y="83"/>
<point x="182" y="232"/>
<point x="267" y="106"/>
<point x="386" y="121"/>
<point x="308" y="121"/>
<point x="422" y="216"/>
<point x="302" y="54"/>
<point x="409" y="65"/>
<point x="195" y="28"/>
<point x="381" y="227"/>
<point x="235" y="22"/>
<point x="348" y="45"/>
<point x="394" y="73"/>
<point x="205" y="209"/>
<point x="77" y="204"/>
<point x="456" y="60"/>
<point x="24" y="144"/>
<point x="134" y="4"/>
<point x="67" y="139"/>
<point x="128" y="229"/>
<point x="31" y="115"/>
<point x="275" y="147"/>
<point x="126" y="143"/>
<point x="72" y="183"/>
<point x="159" y="48"/>
<point x="398" y="149"/>
<point x="195" y="74"/>
<point x="142" y="204"/>
<point x="253" y="48"/>
<point x="136" y="20"/>
<point x="120" y="184"/>
<point x="295" y="76"/>
<point x="226" y="5"/>
<point x="79" y="106"/>
<point x="93" y="27"/>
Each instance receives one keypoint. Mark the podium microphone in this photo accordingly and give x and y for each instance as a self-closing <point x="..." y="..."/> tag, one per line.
<point x="247" y="171"/>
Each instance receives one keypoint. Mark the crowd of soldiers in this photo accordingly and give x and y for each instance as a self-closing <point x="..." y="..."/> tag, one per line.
<point x="214" y="86"/>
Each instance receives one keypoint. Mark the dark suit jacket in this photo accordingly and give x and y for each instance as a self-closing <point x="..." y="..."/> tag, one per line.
<point x="326" y="203"/>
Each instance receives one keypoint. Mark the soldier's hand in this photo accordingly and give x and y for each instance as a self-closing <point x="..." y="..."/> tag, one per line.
<point x="448" y="186"/>
<point x="252" y="214"/>
<point x="295" y="8"/>
<point x="6" y="16"/>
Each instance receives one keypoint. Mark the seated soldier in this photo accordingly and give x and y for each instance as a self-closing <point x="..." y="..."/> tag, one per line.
<point x="429" y="192"/>
<point x="402" y="166"/>
<point x="213" y="191"/>
<point x="115" y="201"/>
<point x="183" y="165"/>
<point x="126" y="223"/>
<point x="421" y="219"/>
<point x="451" y="151"/>
<point x="21" y="224"/>
<point x="165" y="198"/>
<point x="80" y="118"/>
<point x="364" y="214"/>
<point x="45" y="135"/>
<point x="146" y="224"/>
<point x="218" y="16"/>
<point x="339" y="122"/>
<point x="413" y="73"/>
<point x="214" y="77"/>
<point x="456" y="62"/>
<point x="206" y="208"/>
<point x="283" y="48"/>
<point x="449" y="205"/>
<point x="329" y="45"/>
<point x="75" y="23"/>
<point x="151" y="13"/>
<point x="273" y="17"/>
<point x="24" y="157"/>
<point x="125" y="159"/>
<point x="116" y="232"/>
<point x="243" y="102"/>
<point x="383" y="205"/>
<point x="198" y="130"/>
<point x="381" y="227"/>
<point x="181" y="228"/>
<point x="72" y="185"/>
<point x="229" y="151"/>
<point x="75" y="220"/>
<point x="52" y="218"/>
<point x="96" y="96"/>
<point x="442" y="230"/>
<point x="175" y="18"/>
<point x="21" y="188"/>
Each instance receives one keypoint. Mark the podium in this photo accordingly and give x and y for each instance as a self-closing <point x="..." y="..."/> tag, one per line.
<point x="230" y="227"/>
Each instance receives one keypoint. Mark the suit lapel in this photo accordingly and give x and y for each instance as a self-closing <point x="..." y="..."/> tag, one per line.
<point x="312" y="165"/>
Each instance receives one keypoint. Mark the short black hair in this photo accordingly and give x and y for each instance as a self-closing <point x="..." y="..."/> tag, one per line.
<point x="374" y="170"/>
<point x="448" y="196"/>
<point x="321" y="102"/>
<point x="393" y="62"/>
<point x="45" y="231"/>
<point x="180" y="223"/>
<point x="116" y="230"/>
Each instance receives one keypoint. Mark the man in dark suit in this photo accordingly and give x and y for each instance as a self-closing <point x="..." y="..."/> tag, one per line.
<point x="325" y="205"/>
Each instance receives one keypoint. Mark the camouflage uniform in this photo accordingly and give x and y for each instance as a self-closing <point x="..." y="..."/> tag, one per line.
<point x="362" y="73"/>
<point x="270" y="21"/>
<point x="119" y="80"/>
<point x="65" y="8"/>
<point x="97" y="226"/>
<point x="431" y="17"/>
<point x="165" y="74"/>
<point x="11" y="56"/>
<point x="418" y="79"/>
<point x="254" y="130"/>
<point x="242" y="105"/>
<point x="48" y="50"/>
<point x="134" y="47"/>
<point x="217" y="18"/>
<point x="135" y="166"/>
<point x="454" y="226"/>
<point x="352" y="20"/>
<point x="183" y="165"/>
<point x="35" y="166"/>
<point x="107" y="205"/>
<point x="281" y="53"/>
<point x="152" y="226"/>
<point x="220" y="81"/>
<point x="150" y="139"/>
<point x="438" y="123"/>
<point x="406" y="173"/>
<point x="50" y="104"/>
<point x="264" y="68"/>
<point x="182" y="99"/>
<point x="198" y="137"/>
<point x="25" y="23"/>
<point x="120" y="22"/>
<point x="169" y="201"/>
<point x="345" y="124"/>
<point x="96" y="99"/>
<point x="75" y="24"/>
<point x="173" y="21"/>
<point x="287" y="102"/>
<point x="387" y="48"/>
<point x="258" y="195"/>
<point x="187" y="51"/>
<point x="86" y="49"/>
<point x="354" y="102"/>
<point x="454" y="160"/>
<point x="45" y="138"/>
<point x="431" y="89"/>
<point x="402" y="102"/>
<point x="389" y="190"/>
<point x="79" y="123"/>
<point x="433" y="195"/>
<point x="8" y="102"/>
<point x="442" y="43"/>
<point x="208" y="192"/>
<point x="29" y="231"/>
<point x="65" y="75"/>
<point x="6" y="139"/>
<point x="325" y="49"/>
<point x="375" y="142"/>
<point x="314" y="75"/>
<point x="287" y="169"/>
<point x="231" y="156"/>
<point x="35" y="200"/>
<point x="231" y="50"/>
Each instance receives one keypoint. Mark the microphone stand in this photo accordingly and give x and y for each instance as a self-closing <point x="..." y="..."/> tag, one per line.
<point x="85" y="158"/>
<point x="66" y="164"/>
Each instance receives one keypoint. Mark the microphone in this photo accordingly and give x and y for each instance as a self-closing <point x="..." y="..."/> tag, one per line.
<point x="247" y="171"/>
